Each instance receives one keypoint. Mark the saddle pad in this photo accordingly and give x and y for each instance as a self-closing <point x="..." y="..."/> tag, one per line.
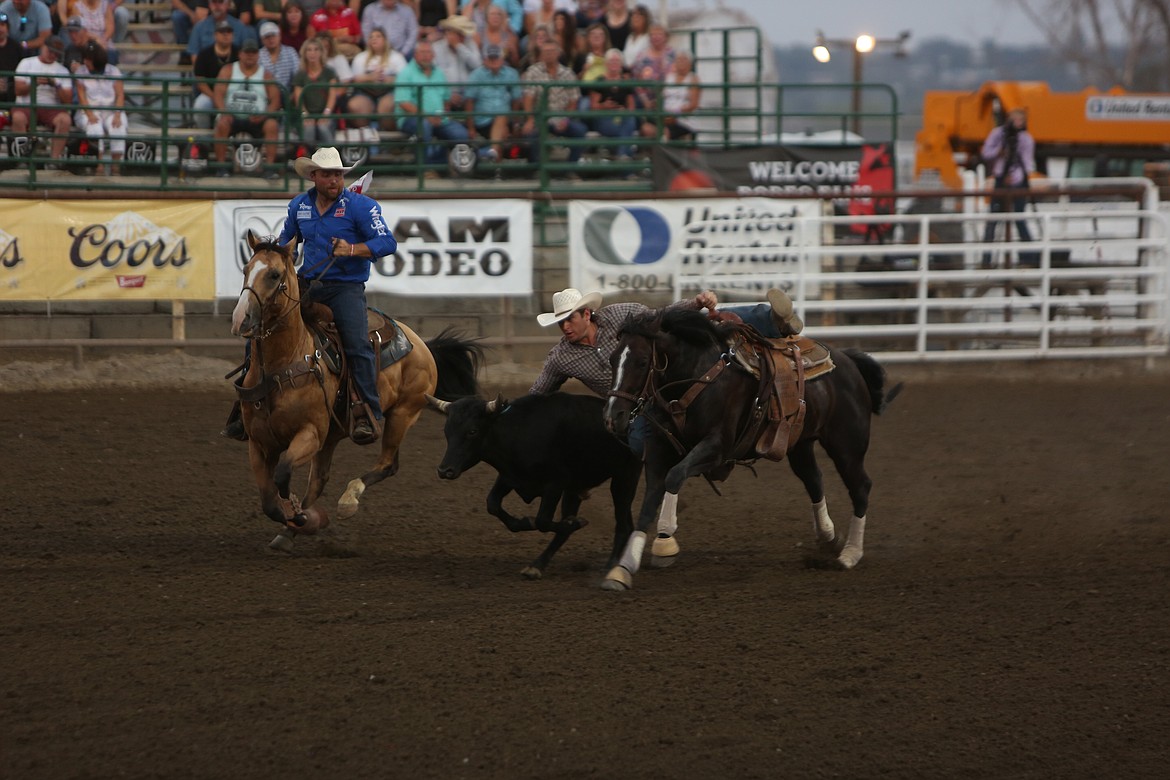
<point x="814" y="355"/>
<point x="389" y="340"/>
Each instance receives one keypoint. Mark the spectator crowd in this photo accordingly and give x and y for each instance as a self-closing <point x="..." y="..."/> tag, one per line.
<point x="500" y="74"/>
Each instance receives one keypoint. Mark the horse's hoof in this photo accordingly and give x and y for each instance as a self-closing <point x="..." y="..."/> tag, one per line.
<point x="663" y="552"/>
<point x="531" y="573"/>
<point x="849" y="557"/>
<point x="281" y="543"/>
<point x="347" y="505"/>
<point x="618" y="579"/>
<point x="346" y="509"/>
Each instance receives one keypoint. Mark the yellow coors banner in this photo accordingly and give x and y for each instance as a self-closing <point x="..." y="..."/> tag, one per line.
<point x="106" y="250"/>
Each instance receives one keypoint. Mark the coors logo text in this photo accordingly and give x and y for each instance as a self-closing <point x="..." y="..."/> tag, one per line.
<point x="92" y="244"/>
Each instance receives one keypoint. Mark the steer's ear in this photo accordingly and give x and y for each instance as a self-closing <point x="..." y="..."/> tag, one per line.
<point x="496" y="406"/>
<point x="437" y="404"/>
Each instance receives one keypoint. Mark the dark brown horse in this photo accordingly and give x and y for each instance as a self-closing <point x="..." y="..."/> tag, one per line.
<point x="663" y="355"/>
<point x="290" y="396"/>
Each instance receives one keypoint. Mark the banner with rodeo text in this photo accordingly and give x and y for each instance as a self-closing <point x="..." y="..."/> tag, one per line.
<point x="826" y="171"/>
<point x="106" y="250"/>
<point x="743" y="244"/>
<point x="445" y="247"/>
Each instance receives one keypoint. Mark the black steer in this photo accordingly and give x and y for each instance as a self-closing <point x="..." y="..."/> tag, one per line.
<point x="552" y="447"/>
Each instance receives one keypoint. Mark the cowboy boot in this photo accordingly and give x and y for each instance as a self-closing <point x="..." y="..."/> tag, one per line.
<point x="784" y="315"/>
<point x="234" y="429"/>
<point x="362" y="429"/>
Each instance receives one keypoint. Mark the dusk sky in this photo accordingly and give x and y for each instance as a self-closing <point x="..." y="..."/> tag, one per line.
<point x="973" y="21"/>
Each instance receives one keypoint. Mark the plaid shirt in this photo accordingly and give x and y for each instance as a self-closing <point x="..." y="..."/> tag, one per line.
<point x="590" y="364"/>
<point x="559" y="98"/>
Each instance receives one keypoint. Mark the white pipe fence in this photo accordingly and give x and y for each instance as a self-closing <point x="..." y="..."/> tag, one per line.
<point x="1095" y="280"/>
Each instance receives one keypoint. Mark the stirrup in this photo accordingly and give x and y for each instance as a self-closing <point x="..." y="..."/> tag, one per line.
<point x="234" y="427"/>
<point x="364" y="429"/>
<point x="234" y="430"/>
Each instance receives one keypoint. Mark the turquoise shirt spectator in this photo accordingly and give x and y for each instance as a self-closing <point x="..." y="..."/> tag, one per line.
<point x="514" y="9"/>
<point x="493" y="93"/>
<point x="428" y="93"/>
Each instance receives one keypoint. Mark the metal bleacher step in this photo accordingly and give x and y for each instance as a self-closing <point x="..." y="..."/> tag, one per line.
<point x="142" y="9"/>
<point x="150" y="48"/>
<point x="153" y="67"/>
<point x="158" y="28"/>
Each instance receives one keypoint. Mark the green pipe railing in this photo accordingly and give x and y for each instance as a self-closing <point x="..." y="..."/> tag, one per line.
<point x="162" y="119"/>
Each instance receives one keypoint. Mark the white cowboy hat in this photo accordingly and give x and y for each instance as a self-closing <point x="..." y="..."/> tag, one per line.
<point x="566" y="302"/>
<point x="460" y="24"/>
<point x="324" y="159"/>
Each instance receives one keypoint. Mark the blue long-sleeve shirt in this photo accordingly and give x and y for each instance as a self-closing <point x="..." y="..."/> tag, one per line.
<point x="203" y="34"/>
<point x="354" y="217"/>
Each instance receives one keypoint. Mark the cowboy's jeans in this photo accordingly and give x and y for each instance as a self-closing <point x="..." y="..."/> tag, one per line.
<point x="348" y="302"/>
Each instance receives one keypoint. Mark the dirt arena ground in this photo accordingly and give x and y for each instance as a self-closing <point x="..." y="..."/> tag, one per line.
<point x="1009" y="619"/>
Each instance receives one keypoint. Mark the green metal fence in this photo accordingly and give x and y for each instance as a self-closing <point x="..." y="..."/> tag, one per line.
<point x="167" y="151"/>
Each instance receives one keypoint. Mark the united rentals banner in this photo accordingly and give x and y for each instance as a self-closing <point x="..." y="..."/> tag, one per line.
<point x="744" y="244"/>
<point x="106" y="250"/>
<point x="823" y="171"/>
<point x="445" y="247"/>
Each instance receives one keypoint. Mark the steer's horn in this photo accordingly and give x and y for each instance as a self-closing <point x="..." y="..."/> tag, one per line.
<point x="438" y="404"/>
<point x="497" y="403"/>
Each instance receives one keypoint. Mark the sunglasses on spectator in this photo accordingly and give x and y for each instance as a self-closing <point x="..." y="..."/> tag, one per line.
<point x="23" y="20"/>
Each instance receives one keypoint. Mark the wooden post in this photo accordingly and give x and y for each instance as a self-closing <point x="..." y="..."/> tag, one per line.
<point x="179" y="320"/>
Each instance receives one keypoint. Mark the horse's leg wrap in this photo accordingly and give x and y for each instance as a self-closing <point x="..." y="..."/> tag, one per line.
<point x="664" y="548"/>
<point x="854" y="544"/>
<point x="668" y="515"/>
<point x="623" y="574"/>
<point x="822" y="523"/>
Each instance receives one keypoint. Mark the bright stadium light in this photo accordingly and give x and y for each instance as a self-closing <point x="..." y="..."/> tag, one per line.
<point x="861" y="45"/>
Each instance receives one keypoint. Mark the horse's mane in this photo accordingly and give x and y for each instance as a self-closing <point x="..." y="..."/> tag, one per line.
<point x="687" y="325"/>
<point x="269" y="244"/>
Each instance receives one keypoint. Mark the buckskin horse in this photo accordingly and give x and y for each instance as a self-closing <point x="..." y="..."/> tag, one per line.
<point x="708" y="411"/>
<point x="291" y="395"/>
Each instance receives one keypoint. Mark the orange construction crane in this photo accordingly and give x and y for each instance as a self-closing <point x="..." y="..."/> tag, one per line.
<point x="1077" y="134"/>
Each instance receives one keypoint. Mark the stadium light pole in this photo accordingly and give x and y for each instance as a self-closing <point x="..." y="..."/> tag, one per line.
<point x="861" y="45"/>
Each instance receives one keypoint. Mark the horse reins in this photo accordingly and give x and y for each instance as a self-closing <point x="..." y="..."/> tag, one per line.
<point x="269" y="382"/>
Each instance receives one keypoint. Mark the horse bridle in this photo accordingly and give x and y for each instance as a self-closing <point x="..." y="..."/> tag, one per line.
<point x="283" y="287"/>
<point x="677" y="409"/>
<point x="311" y="364"/>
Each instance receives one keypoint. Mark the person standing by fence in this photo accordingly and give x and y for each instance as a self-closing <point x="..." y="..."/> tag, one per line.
<point x="1010" y="153"/>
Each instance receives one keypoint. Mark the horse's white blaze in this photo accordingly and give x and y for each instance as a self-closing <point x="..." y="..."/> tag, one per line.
<point x="822" y="524"/>
<point x="617" y="380"/>
<point x="668" y="515"/>
<point x="632" y="557"/>
<point x="246" y="300"/>
<point x="854" y="544"/>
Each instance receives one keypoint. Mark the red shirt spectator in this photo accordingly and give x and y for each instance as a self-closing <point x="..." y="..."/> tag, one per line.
<point x="337" y="19"/>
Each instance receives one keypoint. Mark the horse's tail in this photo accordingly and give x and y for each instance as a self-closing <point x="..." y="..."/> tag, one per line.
<point x="458" y="360"/>
<point x="875" y="380"/>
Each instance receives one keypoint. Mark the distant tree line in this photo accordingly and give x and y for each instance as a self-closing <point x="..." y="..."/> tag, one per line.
<point x="1122" y="42"/>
